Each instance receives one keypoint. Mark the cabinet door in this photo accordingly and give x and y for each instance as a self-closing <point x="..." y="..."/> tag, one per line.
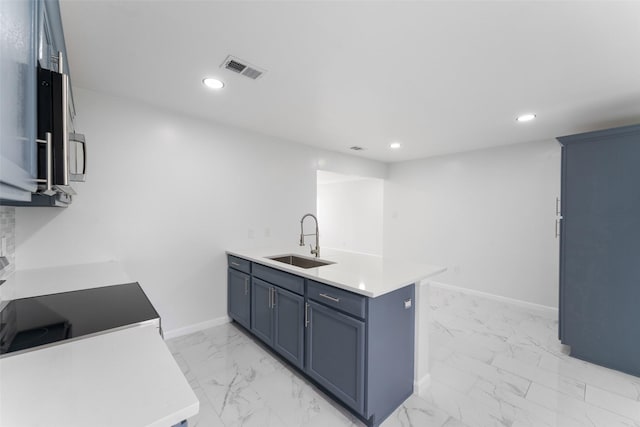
<point x="600" y="272"/>
<point x="335" y="353"/>
<point x="239" y="297"/>
<point x="18" y="100"/>
<point x="262" y="310"/>
<point x="289" y="326"/>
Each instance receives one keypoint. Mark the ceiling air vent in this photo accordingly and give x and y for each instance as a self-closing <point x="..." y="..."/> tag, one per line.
<point x="356" y="148"/>
<point x="242" y="67"/>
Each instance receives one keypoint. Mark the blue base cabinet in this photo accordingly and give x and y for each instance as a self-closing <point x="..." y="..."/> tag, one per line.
<point x="277" y="312"/>
<point x="288" y="326"/>
<point x="359" y="350"/>
<point x="335" y="353"/>
<point x="239" y="297"/>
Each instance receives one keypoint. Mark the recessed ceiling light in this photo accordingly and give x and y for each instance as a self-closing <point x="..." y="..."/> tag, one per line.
<point x="526" y="117"/>
<point x="212" y="83"/>
<point x="395" y="145"/>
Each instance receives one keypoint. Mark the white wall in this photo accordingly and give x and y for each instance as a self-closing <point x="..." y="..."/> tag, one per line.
<point x="487" y="215"/>
<point x="350" y="214"/>
<point x="167" y="194"/>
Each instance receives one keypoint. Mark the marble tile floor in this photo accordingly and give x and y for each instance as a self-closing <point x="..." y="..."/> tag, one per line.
<point x="492" y="365"/>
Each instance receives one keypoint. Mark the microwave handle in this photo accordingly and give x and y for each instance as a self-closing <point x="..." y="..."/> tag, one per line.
<point x="84" y="157"/>
<point x="78" y="137"/>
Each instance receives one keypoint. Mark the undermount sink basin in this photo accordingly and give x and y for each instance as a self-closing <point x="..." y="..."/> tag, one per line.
<point x="299" y="261"/>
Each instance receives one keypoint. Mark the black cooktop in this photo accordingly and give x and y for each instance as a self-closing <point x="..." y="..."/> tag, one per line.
<point x="36" y="321"/>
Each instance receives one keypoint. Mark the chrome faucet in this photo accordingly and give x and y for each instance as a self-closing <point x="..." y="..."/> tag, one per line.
<point x="315" y="251"/>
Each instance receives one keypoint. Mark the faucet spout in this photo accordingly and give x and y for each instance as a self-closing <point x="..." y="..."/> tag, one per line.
<point x="315" y="251"/>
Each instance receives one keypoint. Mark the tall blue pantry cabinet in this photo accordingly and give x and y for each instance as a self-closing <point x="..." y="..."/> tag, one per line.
<point x="600" y="247"/>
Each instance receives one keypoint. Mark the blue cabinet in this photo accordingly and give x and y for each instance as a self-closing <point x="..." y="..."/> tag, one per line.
<point x="288" y="325"/>
<point x="359" y="350"/>
<point x="335" y="353"/>
<point x="600" y="247"/>
<point x="31" y="34"/>
<point x="239" y="297"/>
<point x="18" y="42"/>
<point x="262" y="310"/>
<point x="277" y="319"/>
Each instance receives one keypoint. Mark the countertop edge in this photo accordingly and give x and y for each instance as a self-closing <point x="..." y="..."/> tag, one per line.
<point x="145" y="336"/>
<point x="306" y="274"/>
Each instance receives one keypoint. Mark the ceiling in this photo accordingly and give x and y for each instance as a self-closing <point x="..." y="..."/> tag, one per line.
<point x="439" y="77"/>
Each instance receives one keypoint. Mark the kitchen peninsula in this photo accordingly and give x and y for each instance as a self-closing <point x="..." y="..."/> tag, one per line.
<point x="345" y="320"/>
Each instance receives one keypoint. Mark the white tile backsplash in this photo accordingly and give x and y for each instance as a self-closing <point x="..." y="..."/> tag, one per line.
<point x="8" y="231"/>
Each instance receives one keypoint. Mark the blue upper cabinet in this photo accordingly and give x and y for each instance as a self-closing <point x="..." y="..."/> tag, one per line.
<point x="31" y="34"/>
<point x="18" y="53"/>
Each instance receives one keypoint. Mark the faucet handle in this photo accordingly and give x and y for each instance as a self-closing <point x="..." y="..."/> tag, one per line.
<point x="315" y="251"/>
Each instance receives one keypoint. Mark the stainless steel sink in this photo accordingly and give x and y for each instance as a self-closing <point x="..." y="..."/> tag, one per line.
<point x="300" y="261"/>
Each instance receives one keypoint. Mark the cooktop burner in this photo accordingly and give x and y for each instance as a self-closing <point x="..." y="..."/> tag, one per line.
<point x="32" y="322"/>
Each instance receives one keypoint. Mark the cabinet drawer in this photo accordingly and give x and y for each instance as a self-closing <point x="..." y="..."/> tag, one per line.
<point x="239" y="263"/>
<point x="287" y="281"/>
<point x="346" y="301"/>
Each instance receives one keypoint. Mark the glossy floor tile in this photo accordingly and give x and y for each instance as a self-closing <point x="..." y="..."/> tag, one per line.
<point x="492" y="364"/>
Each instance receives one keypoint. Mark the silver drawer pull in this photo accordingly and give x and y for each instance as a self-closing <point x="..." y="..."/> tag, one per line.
<point x="329" y="297"/>
<point x="235" y="264"/>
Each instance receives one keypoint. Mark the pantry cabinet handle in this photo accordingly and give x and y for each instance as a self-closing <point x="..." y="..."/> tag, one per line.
<point x="557" y="228"/>
<point x="557" y="205"/>
<point x="329" y="297"/>
<point x="306" y="314"/>
<point x="246" y="285"/>
<point x="48" y="181"/>
<point x="65" y="126"/>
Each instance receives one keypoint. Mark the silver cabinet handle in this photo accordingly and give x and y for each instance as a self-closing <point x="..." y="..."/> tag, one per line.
<point x="65" y="125"/>
<point x="557" y="205"/>
<point x="557" y="228"/>
<point x="48" y="181"/>
<point x="329" y="297"/>
<point x="306" y="314"/>
<point x="273" y="293"/>
<point x="246" y="285"/>
<point x="235" y="264"/>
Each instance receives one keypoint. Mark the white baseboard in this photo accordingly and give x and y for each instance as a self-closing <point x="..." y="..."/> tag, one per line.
<point x="421" y="385"/>
<point x="545" y="310"/>
<point x="173" y="333"/>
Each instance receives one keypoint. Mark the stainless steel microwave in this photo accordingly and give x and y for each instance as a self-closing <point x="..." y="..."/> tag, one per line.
<point x="62" y="153"/>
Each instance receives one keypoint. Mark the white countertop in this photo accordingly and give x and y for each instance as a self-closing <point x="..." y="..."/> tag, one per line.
<point x="53" y="280"/>
<point x="123" y="378"/>
<point x="363" y="274"/>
